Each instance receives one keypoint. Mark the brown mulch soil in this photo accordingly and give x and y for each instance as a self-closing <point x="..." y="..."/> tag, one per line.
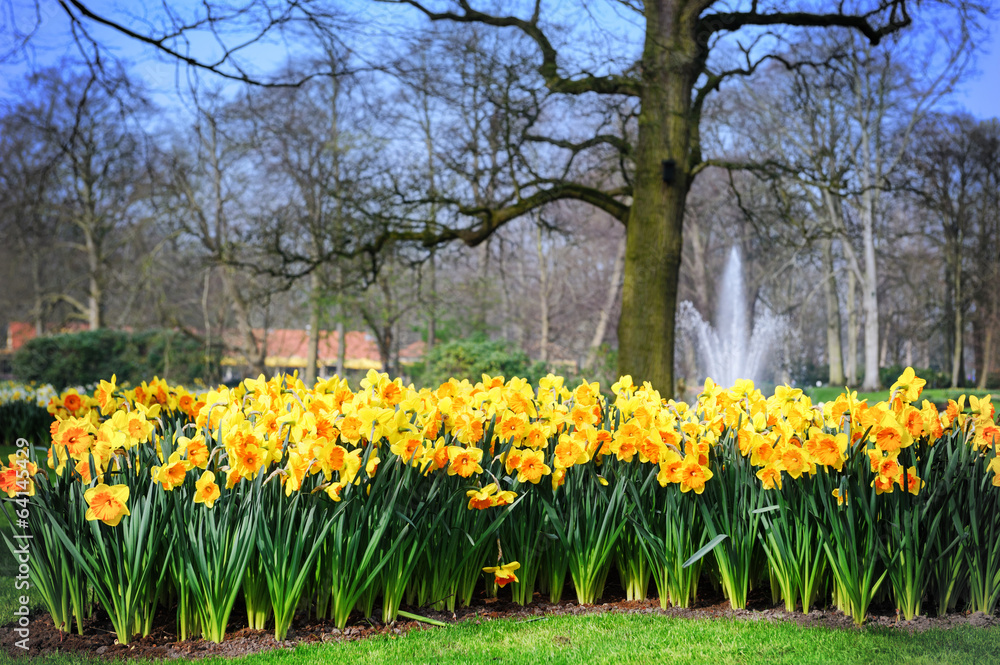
<point x="99" y="638"/>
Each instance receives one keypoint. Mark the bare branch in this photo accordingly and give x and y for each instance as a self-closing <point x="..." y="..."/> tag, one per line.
<point x="77" y="11"/>
<point x="549" y="69"/>
<point x="864" y="23"/>
<point x="617" y="142"/>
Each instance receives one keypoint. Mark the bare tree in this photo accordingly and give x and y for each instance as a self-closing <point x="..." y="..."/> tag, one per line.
<point x="96" y="148"/>
<point x="204" y="182"/>
<point x="843" y="133"/>
<point x="671" y="81"/>
<point x="534" y="105"/>
<point x="957" y="164"/>
<point x="29" y="221"/>
<point x="313" y="141"/>
<point x="386" y="302"/>
<point x="659" y="83"/>
<point x="987" y="252"/>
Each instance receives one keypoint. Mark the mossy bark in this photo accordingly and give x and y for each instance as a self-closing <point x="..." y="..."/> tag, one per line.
<point x="668" y="125"/>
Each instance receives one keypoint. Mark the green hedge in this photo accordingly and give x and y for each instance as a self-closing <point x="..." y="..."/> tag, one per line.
<point x="471" y="358"/>
<point x="79" y="359"/>
<point x="23" y="419"/>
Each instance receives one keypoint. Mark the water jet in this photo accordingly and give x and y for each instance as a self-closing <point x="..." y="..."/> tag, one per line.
<point x="730" y="350"/>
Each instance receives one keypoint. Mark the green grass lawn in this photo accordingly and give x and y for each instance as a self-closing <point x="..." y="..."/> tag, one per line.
<point x="621" y="638"/>
<point x="9" y="596"/>
<point x="937" y="395"/>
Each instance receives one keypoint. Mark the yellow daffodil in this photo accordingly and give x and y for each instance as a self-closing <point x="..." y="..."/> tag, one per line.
<point x="206" y="490"/>
<point x="107" y="503"/>
<point x="504" y="574"/>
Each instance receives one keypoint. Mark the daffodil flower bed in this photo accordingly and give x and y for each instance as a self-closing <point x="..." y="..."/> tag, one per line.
<point x="11" y="392"/>
<point x="329" y="501"/>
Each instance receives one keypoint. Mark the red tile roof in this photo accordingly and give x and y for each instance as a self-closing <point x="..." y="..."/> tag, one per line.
<point x="19" y="332"/>
<point x="288" y="347"/>
<point x="286" y="344"/>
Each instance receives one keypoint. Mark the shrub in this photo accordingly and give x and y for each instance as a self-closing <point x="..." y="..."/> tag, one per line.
<point x="84" y="358"/>
<point x="473" y="357"/>
<point x="23" y="413"/>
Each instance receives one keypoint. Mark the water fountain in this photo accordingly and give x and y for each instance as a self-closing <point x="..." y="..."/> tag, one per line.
<point x="729" y="350"/>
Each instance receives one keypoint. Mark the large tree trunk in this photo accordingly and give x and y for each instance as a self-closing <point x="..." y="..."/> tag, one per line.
<point x="655" y="223"/>
<point x="833" y="348"/>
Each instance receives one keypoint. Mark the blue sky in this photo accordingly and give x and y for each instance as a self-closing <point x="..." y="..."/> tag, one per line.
<point x="979" y="93"/>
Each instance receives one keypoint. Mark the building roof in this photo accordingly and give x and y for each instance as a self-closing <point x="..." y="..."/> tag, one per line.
<point x="19" y="332"/>
<point x="288" y="347"/>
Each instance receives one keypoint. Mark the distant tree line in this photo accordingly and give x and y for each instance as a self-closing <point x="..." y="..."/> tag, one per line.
<point x="588" y="186"/>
